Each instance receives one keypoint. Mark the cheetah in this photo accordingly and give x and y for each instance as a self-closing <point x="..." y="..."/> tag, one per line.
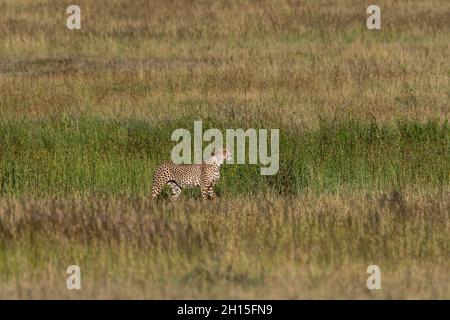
<point x="179" y="176"/>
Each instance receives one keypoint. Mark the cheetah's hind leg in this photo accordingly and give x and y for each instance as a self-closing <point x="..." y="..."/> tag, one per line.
<point x="156" y="189"/>
<point x="176" y="190"/>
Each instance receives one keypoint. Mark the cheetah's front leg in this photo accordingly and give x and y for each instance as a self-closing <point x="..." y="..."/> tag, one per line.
<point x="208" y="191"/>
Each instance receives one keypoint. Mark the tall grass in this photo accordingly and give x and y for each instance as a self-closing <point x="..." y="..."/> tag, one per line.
<point x="88" y="155"/>
<point x="266" y="247"/>
<point x="293" y="60"/>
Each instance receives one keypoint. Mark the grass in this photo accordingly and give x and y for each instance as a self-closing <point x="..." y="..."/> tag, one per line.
<point x="83" y="156"/>
<point x="299" y="247"/>
<point x="294" y="61"/>
<point x="86" y="116"/>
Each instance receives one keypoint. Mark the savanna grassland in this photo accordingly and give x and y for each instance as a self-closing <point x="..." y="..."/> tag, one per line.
<point x="87" y="115"/>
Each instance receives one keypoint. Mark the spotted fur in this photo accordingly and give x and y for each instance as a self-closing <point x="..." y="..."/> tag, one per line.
<point x="180" y="176"/>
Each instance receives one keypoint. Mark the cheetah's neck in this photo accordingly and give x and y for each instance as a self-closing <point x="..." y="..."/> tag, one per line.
<point x="215" y="160"/>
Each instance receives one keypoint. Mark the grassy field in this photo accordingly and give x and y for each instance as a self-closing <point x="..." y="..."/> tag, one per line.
<point x="68" y="156"/>
<point x="87" y="115"/>
<point x="269" y="247"/>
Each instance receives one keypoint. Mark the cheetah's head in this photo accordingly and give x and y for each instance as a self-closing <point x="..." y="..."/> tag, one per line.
<point x="219" y="156"/>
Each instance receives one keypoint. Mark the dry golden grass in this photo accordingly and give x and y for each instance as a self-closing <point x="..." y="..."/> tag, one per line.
<point x="294" y="60"/>
<point x="302" y="247"/>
